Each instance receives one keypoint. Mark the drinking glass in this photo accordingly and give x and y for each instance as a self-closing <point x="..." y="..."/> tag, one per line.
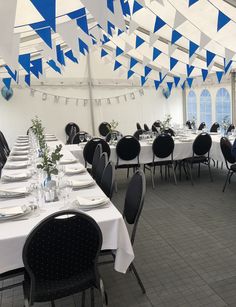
<point x="81" y="138"/>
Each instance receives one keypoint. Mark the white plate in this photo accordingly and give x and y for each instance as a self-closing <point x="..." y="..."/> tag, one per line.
<point x="15" y="216"/>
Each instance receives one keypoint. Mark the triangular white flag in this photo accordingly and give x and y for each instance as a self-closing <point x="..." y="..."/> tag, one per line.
<point x="141" y="2"/>
<point x="192" y="59"/>
<point x="47" y="52"/>
<point x="146" y="61"/>
<point x="11" y="56"/>
<point x="179" y="20"/>
<point x="204" y="40"/>
<point x="229" y="54"/>
<point x="153" y="39"/>
<point x="209" y="68"/>
<point x="133" y="25"/>
<point x="171" y="49"/>
<point x="128" y="48"/>
<point x="97" y="33"/>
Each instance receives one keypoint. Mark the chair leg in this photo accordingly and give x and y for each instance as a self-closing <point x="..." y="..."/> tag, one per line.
<point x="128" y="172"/>
<point x="227" y="178"/>
<point x="174" y="174"/>
<point x="83" y="299"/>
<point x="161" y="171"/>
<point x="53" y="304"/>
<point x="103" y="294"/>
<point x="230" y="177"/>
<point x="152" y="175"/>
<point x="137" y="277"/>
<point x="199" y="169"/>
<point x="209" y="168"/>
<point x="190" y="172"/>
<point x="92" y="296"/>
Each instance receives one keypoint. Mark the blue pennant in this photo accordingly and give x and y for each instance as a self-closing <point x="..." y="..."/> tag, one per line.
<point x="106" y="39"/>
<point x="147" y="71"/>
<point x="77" y="14"/>
<point x="48" y="11"/>
<point x="24" y="60"/>
<point x="7" y="82"/>
<point x="130" y="73"/>
<point x="173" y="62"/>
<point x="170" y="85"/>
<point x="192" y="48"/>
<point x="204" y="74"/>
<point x="11" y="73"/>
<point x="139" y="41"/>
<point x="191" y="2"/>
<point x="125" y="7"/>
<point x="190" y="68"/>
<point x="136" y="7"/>
<point x="53" y="65"/>
<point x="110" y="27"/>
<point x="83" y="47"/>
<point x="159" y="23"/>
<point x="157" y="84"/>
<point x="81" y="19"/>
<point x="119" y="51"/>
<point x="219" y="75"/>
<point x="156" y="53"/>
<point x="175" y="36"/>
<point x="143" y="80"/>
<point x="117" y="65"/>
<point x="44" y="31"/>
<point x="60" y="55"/>
<point x="227" y="67"/>
<point x="190" y="82"/>
<point x="36" y="67"/>
<point x="110" y="5"/>
<point x="183" y="85"/>
<point x="119" y="32"/>
<point x="69" y="54"/>
<point x="27" y="79"/>
<point x="209" y="56"/>
<point x="103" y="53"/>
<point x="161" y="76"/>
<point x="222" y="20"/>
<point x="132" y="62"/>
<point x="176" y="81"/>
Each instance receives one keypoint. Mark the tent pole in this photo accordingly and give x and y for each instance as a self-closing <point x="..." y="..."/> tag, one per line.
<point x="184" y="105"/>
<point x="90" y="93"/>
<point x="233" y="75"/>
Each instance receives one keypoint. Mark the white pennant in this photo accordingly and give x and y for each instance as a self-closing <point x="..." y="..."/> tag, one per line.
<point x="97" y="33"/>
<point x="179" y="20"/>
<point x="11" y="56"/>
<point x="128" y="48"/>
<point x="192" y="59"/>
<point x="153" y="39"/>
<point x="229" y="54"/>
<point x="133" y="25"/>
<point x="171" y="49"/>
<point x="48" y="53"/>
<point x="204" y="40"/>
<point x="146" y="61"/>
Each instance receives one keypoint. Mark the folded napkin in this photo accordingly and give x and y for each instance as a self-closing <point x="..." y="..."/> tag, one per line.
<point x="68" y="161"/>
<point x="16" y="176"/>
<point x="22" y="143"/>
<point x="75" y="170"/>
<point x="16" y="165"/>
<point x="13" y="192"/>
<point x="76" y="184"/>
<point x="20" y="148"/>
<point x="19" y="152"/>
<point x="18" y="158"/>
<point x="23" y="137"/>
<point x="92" y="202"/>
<point x="12" y="210"/>
<point x="50" y="138"/>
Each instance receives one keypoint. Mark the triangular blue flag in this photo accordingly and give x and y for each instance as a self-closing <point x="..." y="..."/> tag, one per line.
<point x="191" y="2"/>
<point x="162" y="77"/>
<point x="82" y="22"/>
<point x="219" y="75"/>
<point x="176" y="81"/>
<point x="36" y="67"/>
<point x="190" y="68"/>
<point x="192" y="48"/>
<point x="227" y="67"/>
<point x="173" y="62"/>
<point x="157" y="84"/>
<point x="130" y="73"/>
<point x="159" y="23"/>
<point x="7" y="82"/>
<point x="54" y="66"/>
<point x="175" y="36"/>
<point x="222" y="20"/>
<point x="24" y="60"/>
<point x="190" y="82"/>
<point x="46" y="35"/>
<point x="139" y="41"/>
<point x="106" y="39"/>
<point x="183" y="85"/>
<point x="209" y="56"/>
<point x="27" y="79"/>
<point x="147" y="71"/>
<point x="119" y="32"/>
<point x="69" y="54"/>
<point x="117" y="65"/>
<point x="48" y="10"/>
<point x="119" y="51"/>
<point x="170" y="85"/>
<point x="11" y="73"/>
<point x="125" y="7"/>
<point x="83" y="47"/>
<point x="103" y="53"/>
<point x="156" y="53"/>
<point x="143" y="80"/>
<point x="136" y="7"/>
<point x="132" y="62"/>
<point x="110" y="28"/>
<point x="77" y="13"/>
<point x="110" y="5"/>
<point x="204" y="74"/>
<point x="60" y="55"/>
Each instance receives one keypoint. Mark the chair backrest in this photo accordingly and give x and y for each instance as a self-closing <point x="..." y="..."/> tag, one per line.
<point x="157" y="123"/>
<point x="226" y="148"/>
<point x="4" y="143"/>
<point x="138" y="126"/>
<point x="134" y="200"/>
<point x="146" y="128"/>
<point x="68" y="128"/>
<point x="108" y="180"/>
<point x="214" y="127"/>
<point x="102" y="162"/>
<point x="3" y="155"/>
<point x="128" y="148"/>
<point x="154" y="128"/>
<point x="202" y="144"/>
<point x="202" y="126"/>
<point x="71" y="135"/>
<point x="96" y="157"/>
<point x="138" y="133"/>
<point x="28" y="130"/>
<point x="188" y="124"/>
<point x="163" y="146"/>
<point x="63" y="245"/>
<point x="104" y="128"/>
<point x="77" y="136"/>
<point x="169" y="131"/>
<point x="90" y="147"/>
<point x="231" y="127"/>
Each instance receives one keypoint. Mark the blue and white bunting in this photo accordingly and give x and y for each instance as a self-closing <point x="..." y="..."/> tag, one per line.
<point x="130" y="73"/>
<point x="176" y="81"/>
<point x="147" y="71"/>
<point x="191" y="2"/>
<point x="192" y="48"/>
<point x="117" y="65"/>
<point x="133" y="62"/>
<point x="209" y="57"/>
<point x="189" y="68"/>
<point x="219" y="75"/>
<point x="159" y="23"/>
<point x="173" y="62"/>
<point x="48" y="11"/>
<point x="222" y="20"/>
<point x="7" y="82"/>
<point x="139" y="41"/>
<point x="156" y="53"/>
<point x="175" y="36"/>
<point x="204" y="74"/>
<point x="157" y="84"/>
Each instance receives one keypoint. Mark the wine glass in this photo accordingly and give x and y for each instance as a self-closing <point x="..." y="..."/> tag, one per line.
<point x="81" y="138"/>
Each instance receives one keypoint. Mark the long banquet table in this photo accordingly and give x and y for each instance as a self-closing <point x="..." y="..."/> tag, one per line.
<point x="13" y="233"/>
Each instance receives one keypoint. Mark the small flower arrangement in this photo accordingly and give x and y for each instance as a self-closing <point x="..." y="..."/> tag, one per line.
<point x="165" y="124"/>
<point x="38" y="130"/>
<point x="225" y="123"/>
<point x="193" y="123"/>
<point x="112" y="125"/>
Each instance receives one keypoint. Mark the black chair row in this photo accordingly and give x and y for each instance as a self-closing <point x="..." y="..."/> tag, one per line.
<point x="214" y="127"/>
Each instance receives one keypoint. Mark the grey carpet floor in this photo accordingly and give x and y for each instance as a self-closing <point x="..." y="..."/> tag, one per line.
<point x="185" y="248"/>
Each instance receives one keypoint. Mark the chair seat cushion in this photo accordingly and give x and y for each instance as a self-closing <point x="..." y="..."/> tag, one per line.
<point x="47" y="290"/>
<point x="196" y="159"/>
<point x="127" y="165"/>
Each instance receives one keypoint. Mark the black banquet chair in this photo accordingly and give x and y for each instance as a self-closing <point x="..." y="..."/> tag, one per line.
<point x="116" y="133"/>
<point x="226" y="148"/>
<point x="60" y="257"/>
<point x="79" y="137"/>
<point x="202" y="126"/>
<point x="107" y="183"/>
<point x="138" y="126"/>
<point x="201" y="154"/>
<point x="214" y="127"/>
<point x="137" y="133"/>
<point x="188" y="124"/>
<point x="169" y="131"/>
<point x="157" y="123"/>
<point x="90" y="147"/>
<point x="69" y="126"/>
<point x="231" y="127"/>
<point x="71" y="135"/>
<point x="133" y="206"/>
<point x="4" y="143"/>
<point x="102" y="162"/>
<point x="96" y="157"/>
<point x="104" y="128"/>
<point x="162" y="149"/>
<point x="146" y="128"/>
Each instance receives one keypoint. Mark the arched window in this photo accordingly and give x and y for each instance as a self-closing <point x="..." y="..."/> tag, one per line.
<point x="205" y="108"/>
<point x="223" y="105"/>
<point x="192" y="106"/>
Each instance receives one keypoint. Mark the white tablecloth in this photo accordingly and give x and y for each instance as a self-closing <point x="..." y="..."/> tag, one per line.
<point x="110" y="221"/>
